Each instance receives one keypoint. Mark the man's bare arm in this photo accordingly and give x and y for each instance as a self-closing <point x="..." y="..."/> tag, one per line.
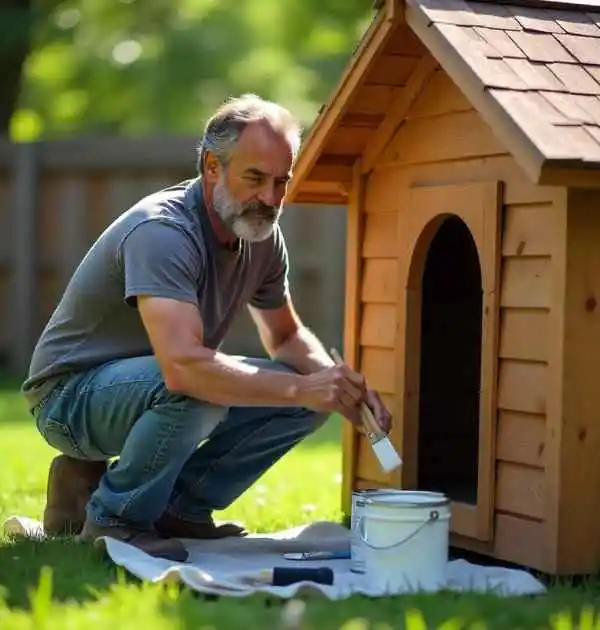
<point x="286" y="339"/>
<point x="189" y="368"/>
<point x="175" y="330"/>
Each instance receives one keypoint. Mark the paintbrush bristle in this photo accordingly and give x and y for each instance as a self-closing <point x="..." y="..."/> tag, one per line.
<point x="386" y="454"/>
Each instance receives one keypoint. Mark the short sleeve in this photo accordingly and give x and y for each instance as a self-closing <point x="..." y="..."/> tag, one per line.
<point x="159" y="259"/>
<point x="274" y="289"/>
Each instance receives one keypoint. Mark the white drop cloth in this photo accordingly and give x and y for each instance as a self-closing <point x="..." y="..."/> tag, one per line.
<point x="218" y="566"/>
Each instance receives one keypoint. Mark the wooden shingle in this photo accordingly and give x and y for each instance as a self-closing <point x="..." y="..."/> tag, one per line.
<point x="493" y="15"/>
<point x="594" y="17"/>
<point x="541" y="47"/>
<point x="490" y="70"/>
<point x="569" y="107"/>
<point x="540" y="130"/>
<point x="576" y="23"/>
<point x="500" y="41"/>
<point x="537" y="76"/>
<point x="594" y="131"/>
<point x="584" y="49"/>
<point x="535" y="20"/>
<point x="575" y="78"/>
<point x="547" y="111"/>
<point x="590" y="104"/>
<point x="581" y="143"/>
<point x="594" y="71"/>
<point x="450" y="12"/>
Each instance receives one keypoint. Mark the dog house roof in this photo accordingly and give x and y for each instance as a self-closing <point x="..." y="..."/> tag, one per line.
<point x="530" y="67"/>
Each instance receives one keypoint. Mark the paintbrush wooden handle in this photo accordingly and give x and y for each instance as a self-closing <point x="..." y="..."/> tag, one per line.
<point x="370" y="423"/>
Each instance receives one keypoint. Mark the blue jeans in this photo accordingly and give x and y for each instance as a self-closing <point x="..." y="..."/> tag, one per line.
<point x="176" y="453"/>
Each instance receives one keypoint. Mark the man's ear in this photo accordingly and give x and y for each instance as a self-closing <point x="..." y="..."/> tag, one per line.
<point x="212" y="168"/>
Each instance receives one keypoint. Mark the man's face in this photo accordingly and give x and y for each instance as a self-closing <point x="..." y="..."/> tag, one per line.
<point x="248" y="193"/>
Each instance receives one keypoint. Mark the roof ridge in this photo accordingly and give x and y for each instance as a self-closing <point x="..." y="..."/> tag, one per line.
<point x="568" y="5"/>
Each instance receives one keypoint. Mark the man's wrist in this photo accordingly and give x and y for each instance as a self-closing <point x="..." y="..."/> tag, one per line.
<point x="304" y="352"/>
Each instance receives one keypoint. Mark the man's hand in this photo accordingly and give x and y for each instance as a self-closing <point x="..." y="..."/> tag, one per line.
<point x="334" y="389"/>
<point x="381" y="413"/>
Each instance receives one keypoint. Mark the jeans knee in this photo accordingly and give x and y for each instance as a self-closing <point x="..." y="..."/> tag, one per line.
<point x="318" y="419"/>
<point x="314" y="419"/>
<point x="186" y="410"/>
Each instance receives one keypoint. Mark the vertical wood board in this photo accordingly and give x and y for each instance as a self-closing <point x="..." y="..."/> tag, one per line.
<point x="579" y="474"/>
<point x="352" y="309"/>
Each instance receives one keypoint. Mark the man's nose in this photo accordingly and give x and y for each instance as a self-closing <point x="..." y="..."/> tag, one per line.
<point x="269" y="194"/>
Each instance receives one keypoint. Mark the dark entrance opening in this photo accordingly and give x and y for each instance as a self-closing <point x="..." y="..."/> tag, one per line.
<point x="450" y="370"/>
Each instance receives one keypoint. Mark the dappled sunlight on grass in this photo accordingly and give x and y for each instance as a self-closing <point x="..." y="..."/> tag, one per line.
<point x="302" y="487"/>
<point x="80" y="588"/>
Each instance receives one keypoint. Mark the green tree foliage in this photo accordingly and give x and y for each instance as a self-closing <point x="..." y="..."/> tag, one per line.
<point x="156" y="66"/>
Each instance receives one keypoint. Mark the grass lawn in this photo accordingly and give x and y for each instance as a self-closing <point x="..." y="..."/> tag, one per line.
<point x="60" y="584"/>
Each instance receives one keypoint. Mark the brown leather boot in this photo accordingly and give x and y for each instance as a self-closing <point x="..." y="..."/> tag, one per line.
<point x="173" y="527"/>
<point x="70" y="485"/>
<point x="148" y="541"/>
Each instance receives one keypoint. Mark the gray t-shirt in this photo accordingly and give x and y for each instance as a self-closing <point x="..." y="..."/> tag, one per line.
<point x="163" y="246"/>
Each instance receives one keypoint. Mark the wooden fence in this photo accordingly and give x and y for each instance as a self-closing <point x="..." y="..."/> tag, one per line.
<point x="57" y="196"/>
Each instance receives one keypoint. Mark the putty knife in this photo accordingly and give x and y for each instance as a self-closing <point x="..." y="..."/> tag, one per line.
<point x="380" y="442"/>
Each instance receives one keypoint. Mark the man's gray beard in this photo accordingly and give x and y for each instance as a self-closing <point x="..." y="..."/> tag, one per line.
<point x="245" y="225"/>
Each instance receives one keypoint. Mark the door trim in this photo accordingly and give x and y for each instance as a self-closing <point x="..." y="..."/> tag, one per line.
<point x="479" y="205"/>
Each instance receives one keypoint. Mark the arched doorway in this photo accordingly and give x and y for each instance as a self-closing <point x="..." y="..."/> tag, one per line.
<point x="450" y="363"/>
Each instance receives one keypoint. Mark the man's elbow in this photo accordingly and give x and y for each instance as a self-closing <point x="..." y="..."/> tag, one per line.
<point x="174" y="376"/>
<point x="280" y="345"/>
<point x="179" y="371"/>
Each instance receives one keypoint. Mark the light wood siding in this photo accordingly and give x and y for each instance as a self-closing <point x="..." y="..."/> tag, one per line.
<point x="443" y="142"/>
<point x="578" y="529"/>
<point x="528" y="240"/>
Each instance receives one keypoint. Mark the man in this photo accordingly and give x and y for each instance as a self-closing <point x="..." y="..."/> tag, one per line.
<point x="129" y="363"/>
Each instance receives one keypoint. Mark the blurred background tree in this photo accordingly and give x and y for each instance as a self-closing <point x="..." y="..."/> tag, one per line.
<point x="132" y="67"/>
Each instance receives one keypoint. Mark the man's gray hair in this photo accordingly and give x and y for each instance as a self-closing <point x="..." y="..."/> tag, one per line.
<point x="223" y="129"/>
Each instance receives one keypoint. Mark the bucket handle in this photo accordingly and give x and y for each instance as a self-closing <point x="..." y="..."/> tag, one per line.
<point x="433" y="516"/>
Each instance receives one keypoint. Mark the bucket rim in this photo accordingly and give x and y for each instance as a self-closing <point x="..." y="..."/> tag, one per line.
<point x="378" y="491"/>
<point x="436" y="499"/>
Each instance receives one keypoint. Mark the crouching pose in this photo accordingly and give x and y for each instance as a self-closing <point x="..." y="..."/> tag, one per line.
<point x="156" y="427"/>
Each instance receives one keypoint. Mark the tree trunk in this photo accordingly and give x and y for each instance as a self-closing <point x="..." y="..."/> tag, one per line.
<point x="16" y="17"/>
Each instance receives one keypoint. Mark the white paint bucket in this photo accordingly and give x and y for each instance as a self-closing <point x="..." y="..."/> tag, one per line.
<point x="405" y="540"/>
<point x="357" y="560"/>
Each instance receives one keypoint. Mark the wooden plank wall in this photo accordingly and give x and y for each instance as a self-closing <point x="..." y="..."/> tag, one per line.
<point x="578" y="506"/>
<point x="78" y="188"/>
<point x="443" y="141"/>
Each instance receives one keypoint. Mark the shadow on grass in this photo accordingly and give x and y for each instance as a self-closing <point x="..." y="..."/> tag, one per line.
<point x="10" y="381"/>
<point x="78" y="570"/>
<point x="82" y="574"/>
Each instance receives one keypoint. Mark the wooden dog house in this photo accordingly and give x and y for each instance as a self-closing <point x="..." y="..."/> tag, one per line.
<point x="464" y="140"/>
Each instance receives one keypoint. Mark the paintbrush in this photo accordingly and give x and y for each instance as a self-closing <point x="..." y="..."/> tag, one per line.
<point x="380" y="442"/>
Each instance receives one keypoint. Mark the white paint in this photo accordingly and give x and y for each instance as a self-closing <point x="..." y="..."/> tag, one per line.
<point x="386" y="454"/>
<point x="404" y="539"/>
